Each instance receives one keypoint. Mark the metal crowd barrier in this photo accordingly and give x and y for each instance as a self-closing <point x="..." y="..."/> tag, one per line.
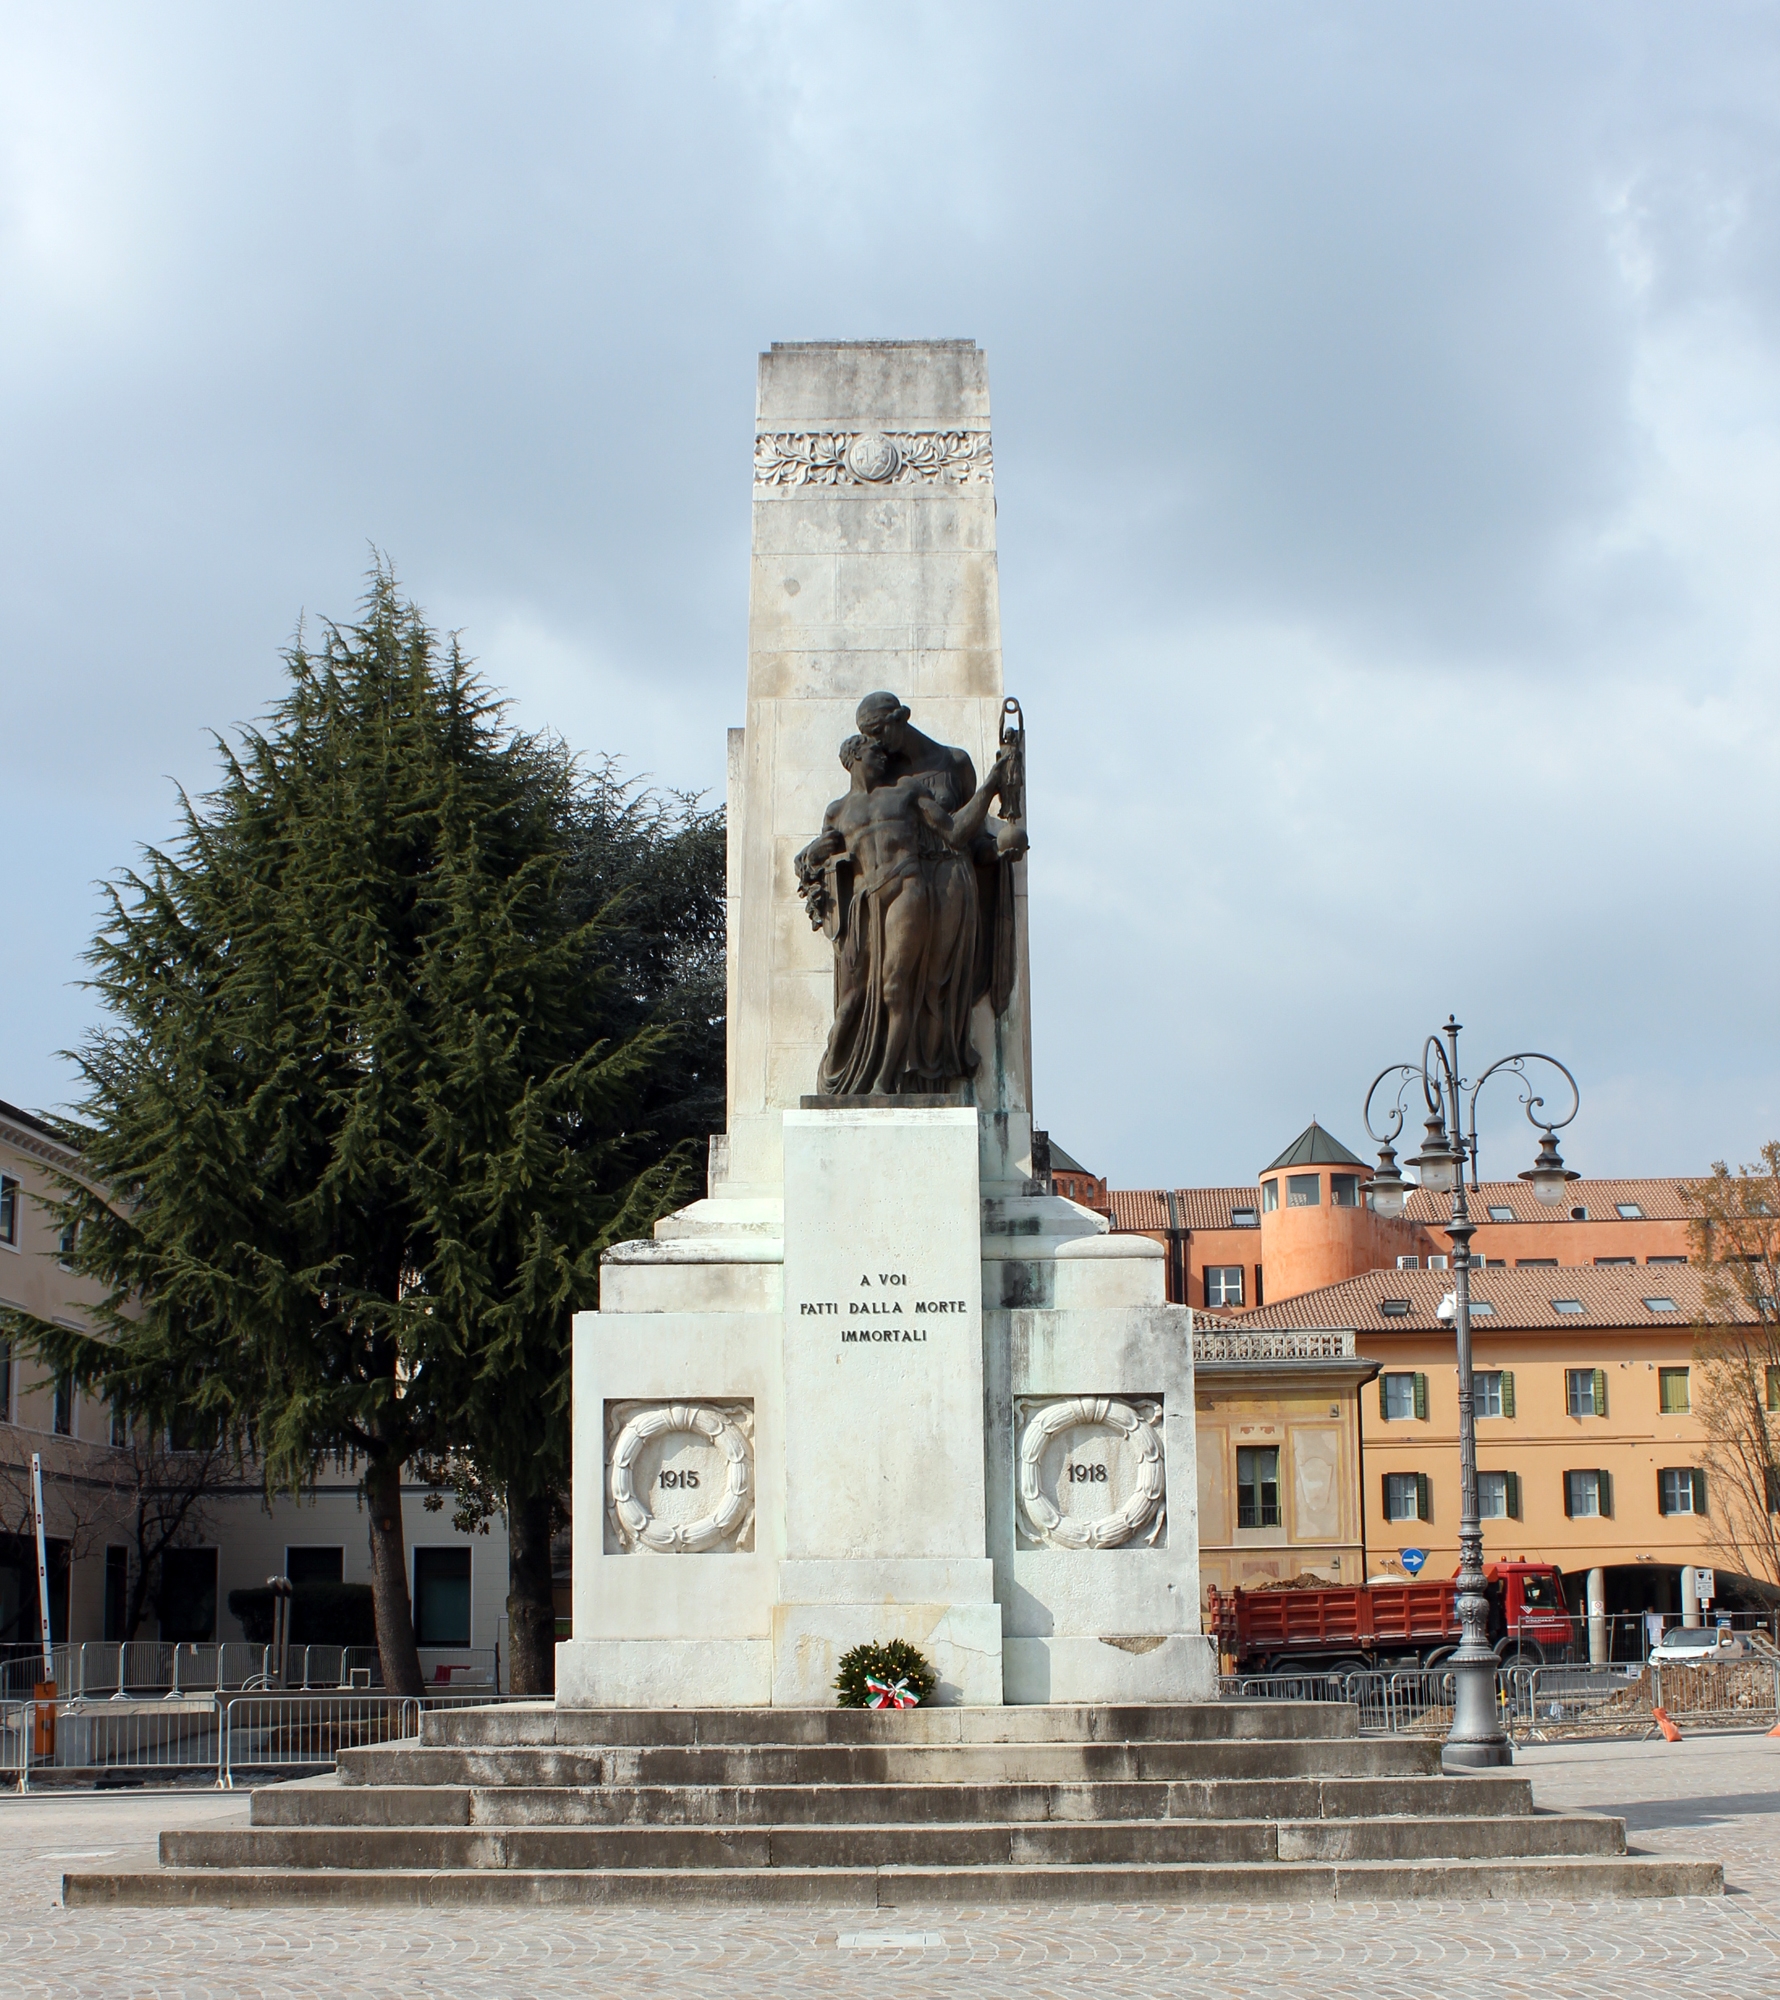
<point x="1538" y="1704"/>
<point x="217" y="1735"/>
<point x="132" y="1667"/>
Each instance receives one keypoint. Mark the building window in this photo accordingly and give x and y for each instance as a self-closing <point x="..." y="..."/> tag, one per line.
<point x="1498" y="1496"/>
<point x="1772" y="1482"/>
<point x="1774" y="1388"/>
<point x="1408" y="1496"/>
<point x="316" y="1563"/>
<point x="1614" y="1263"/>
<point x="1587" y="1494"/>
<point x="64" y="1419"/>
<point x="442" y="1597"/>
<point x="1535" y="1263"/>
<point x="1402" y="1396"/>
<point x="9" y="1211"/>
<point x="1394" y="1308"/>
<point x="1409" y="1263"/>
<point x="1681" y="1489"/>
<point x="1579" y="1215"/>
<point x="1344" y="1190"/>
<point x="1665" y="1260"/>
<point x="120" y="1426"/>
<point x="1671" y="1389"/>
<point x="1570" y="1307"/>
<point x="1495" y="1263"/>
<point x="6" y="1382"/>
<point x="1629" y="1211"/>
<point x="65" y="1246"/>
<point x="1438" y="1263"/>
<point x="1223" y="1284"/>
<point x="188" y="1595"/>
<point x="1660" y="1304"/>
<point x="1304" y="1190"/>
<point x="1257" y="1488"/>
<point x="117" y="1592"/>
<point x="1585" y="1392"/>
<point x="1492" y="1393"/>
<point x="1501" y="1214"/>
<point x="1269" y="1196"/>
<point x="1483" y="1308"/>
<point x="1244" y="1218"/>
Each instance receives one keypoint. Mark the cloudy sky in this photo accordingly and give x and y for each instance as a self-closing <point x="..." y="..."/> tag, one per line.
<point x="1387" y="428"/>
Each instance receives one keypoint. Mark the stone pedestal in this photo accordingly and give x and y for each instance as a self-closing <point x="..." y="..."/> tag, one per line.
<point x="885" y="1516"/>
<point x="878" y="1384"/>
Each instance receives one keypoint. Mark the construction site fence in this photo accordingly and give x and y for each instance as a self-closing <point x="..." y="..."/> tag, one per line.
<point x="93" y="1667"/>
<point x="122" y="1739"/>
<point x="1542" y="1704"/>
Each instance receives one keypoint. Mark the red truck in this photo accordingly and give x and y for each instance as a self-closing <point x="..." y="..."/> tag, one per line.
<point x="1390" y="1624"/>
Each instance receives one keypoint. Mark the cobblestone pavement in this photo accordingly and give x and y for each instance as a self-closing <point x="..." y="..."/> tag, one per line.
<point x="1709" y="1795"/>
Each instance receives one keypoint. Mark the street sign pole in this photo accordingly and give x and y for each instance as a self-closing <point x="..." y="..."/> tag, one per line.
<point x="49" y="1659"/>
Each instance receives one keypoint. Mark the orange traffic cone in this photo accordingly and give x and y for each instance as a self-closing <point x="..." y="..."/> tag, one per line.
<point x="1665" y="1725"/>
<point x="1775" y="1731"/>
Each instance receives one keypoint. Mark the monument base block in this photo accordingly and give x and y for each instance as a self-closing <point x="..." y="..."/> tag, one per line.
<point x="961" y="1641"/>
<point x="1142" y="1668"/>
<point x="664" y="1673"/>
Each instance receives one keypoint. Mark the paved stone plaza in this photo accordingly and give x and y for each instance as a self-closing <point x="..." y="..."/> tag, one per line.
<point x="1710" y="1795"/>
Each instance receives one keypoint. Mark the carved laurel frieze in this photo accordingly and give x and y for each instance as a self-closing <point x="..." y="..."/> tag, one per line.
<point x="1091" y="1472"/>
<point x="871" y="458"/>
<point x="679" y="1478"/>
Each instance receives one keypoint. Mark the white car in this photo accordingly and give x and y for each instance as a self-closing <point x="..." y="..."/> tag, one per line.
<point x="1694" y="1645"/>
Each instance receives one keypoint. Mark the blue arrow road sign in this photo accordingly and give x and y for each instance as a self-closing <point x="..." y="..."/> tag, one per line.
<point x="1412" y="1560"/>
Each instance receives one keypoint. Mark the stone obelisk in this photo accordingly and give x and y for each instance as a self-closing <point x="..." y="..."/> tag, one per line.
<point x="879" y="1383"/>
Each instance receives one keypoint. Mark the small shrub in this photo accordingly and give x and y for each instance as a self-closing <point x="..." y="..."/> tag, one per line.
<point x="890" y="1663"/>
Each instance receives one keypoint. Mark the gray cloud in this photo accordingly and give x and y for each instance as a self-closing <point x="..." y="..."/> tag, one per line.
<point x="1388" y="449"/>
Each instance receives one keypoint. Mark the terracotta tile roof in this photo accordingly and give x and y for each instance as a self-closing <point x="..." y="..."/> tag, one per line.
<point x="1660" y="1200"/>
<point x="1518" y="1300"/>
<point x="1194" y="1208"/>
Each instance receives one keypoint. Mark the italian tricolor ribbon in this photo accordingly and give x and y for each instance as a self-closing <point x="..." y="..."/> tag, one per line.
<point x="888" y="1694"/>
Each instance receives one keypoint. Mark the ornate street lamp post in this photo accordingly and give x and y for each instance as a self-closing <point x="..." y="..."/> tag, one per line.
<point x="1476" y="1740"/>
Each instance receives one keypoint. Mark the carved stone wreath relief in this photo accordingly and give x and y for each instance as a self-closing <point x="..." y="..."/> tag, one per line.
<point x="1091" y="1472"/>
<point x="679" y="1478"/>
<point x="870" y="458"/>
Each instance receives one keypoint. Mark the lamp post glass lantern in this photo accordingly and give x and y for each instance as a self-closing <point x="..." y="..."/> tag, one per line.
<point x="1476" y="1741"/>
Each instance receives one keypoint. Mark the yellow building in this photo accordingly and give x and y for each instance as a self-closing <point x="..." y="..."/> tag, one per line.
<point x="1589" y="1455"/>
<point x="1278" y="1417"/>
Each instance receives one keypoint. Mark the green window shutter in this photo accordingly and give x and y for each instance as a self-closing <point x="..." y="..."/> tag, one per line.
<point x="1512" y="1481"/>
<point x="1600" y="1392"/>
<point x="1424" y="1497"/>
<point x="1421" y="1403"/>
<point x="1604" y="1493"/>
<point x="1662" y="1498"/>
<point x="1384" y="1496"/>
<point x="1508" y="1393"/>
<point x="1699" y="1489"/>
<point x="1774" y="1388"/>
<point x="1569" y="1511"/>
<point x="1383" y="1409"/>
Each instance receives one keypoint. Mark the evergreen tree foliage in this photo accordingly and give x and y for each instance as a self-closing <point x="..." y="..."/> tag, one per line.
<point x="377" y="1083"/>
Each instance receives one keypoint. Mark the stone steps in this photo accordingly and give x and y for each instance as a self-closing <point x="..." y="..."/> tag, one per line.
<point x="1544" y="1878"/>
<point x="1215" y="1802"/>
<point x="951" y="1844"/>
<point x="1497" y="1795"/>
<point x="520" y="1725"/>
<point x="887" y="1763"/>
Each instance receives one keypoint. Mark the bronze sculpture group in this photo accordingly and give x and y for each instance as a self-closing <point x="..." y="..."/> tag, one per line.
<point x="914" y="887"/>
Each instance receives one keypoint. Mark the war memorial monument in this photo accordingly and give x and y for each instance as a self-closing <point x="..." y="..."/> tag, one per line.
<point x="880" y="1383"/>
